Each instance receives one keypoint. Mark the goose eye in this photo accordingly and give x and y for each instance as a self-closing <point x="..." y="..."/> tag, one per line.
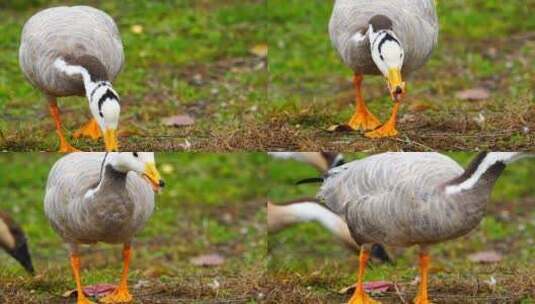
<point x="135" y="154"/>
<point x="381" y="56"/>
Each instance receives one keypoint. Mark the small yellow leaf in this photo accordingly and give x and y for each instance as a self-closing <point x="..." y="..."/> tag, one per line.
<point x="260" y="50"/>
<point x="137" y="29"/>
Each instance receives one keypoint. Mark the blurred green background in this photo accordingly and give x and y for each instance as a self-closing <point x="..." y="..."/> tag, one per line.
<point x="212" y="203"/>
<point x="482" y="43"/>
<point x="203" y="58"/>
<point x="306" y="264"/>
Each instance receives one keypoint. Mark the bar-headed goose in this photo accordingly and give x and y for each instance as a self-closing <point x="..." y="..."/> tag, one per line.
<point x="405" y="199"/>
<point x="77" y="50"/>
<point x="13" y="241"/>
<point x="101" y="197"/>
<point x="382" y="37"/>
<point x="282" y="216"/>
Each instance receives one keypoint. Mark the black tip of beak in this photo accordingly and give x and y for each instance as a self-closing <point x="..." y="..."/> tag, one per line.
<point x="22" y="255"/>
<point x="161" y="184"/>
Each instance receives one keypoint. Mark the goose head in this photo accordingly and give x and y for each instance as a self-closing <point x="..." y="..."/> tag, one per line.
<point x="13" y="241"/>
<point x="388" y="55"/>
<point x="105" y="108"/>
<point x="140" y="162"/>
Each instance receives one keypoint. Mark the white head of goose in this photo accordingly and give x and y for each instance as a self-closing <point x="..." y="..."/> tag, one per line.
<point x="13" y="241"/>
<point x="280" y="216"/>
<point x="75" y="50"/>
<point x="101" y="197"/>
<point x="405" y="199"/>
<point x="383" y="37"/>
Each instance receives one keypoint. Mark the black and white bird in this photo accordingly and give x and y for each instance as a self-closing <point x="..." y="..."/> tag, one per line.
<point x="392" y="38"/>
<point x="14" y="242"/>
<point x="66" y="51"/>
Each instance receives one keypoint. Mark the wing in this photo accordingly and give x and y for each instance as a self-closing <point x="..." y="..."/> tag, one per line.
<point x="375" y="177"/>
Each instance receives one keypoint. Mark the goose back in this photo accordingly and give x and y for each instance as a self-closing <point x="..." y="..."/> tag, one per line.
<point x="415" y="23"/>
<point x="82" y="35"/>
<point x="80" y="213"/>
<point x="398" y="199"/>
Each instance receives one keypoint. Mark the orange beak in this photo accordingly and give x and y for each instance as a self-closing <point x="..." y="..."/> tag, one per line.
<point x="152" y="175"/>
<point x="396" y="84"/>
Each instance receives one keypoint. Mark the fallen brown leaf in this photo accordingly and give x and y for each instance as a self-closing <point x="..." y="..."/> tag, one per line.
<point x="490" y="256"/>
<point x="419" y="106"/>
<point x="473" y="94"/>
<point x="97" y="290"/>
<point x="208" y="260"/>
<point x="371" y="287"/>
<point x="178" y="121"/>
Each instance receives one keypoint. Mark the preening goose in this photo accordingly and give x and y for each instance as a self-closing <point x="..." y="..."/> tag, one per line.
<point x="405" y="199"/>
<point x="307" y="210"/>
<point x="76" y="50"/>
<point x="13" y="241"/>
<point x="101" y="197"/>
<point x="382" y="37"/>
<point x="281" y="216"/>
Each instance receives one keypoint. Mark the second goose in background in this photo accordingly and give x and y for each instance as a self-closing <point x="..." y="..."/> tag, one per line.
<point x="14" y="242"/>
<point x="406" y="199"/>
<point x="101" y="197"/>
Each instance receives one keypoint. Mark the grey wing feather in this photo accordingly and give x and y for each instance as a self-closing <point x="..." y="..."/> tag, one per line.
<point x="378" y="195"/>
<point x="68" y="32"/>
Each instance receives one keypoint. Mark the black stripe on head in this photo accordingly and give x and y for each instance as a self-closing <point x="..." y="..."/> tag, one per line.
<point x="99" y="85"/>
<point x="109" y="94"/>
<point x="386" y="38"/>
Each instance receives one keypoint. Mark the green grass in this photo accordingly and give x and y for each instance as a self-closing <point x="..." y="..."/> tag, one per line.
<point x="482" y="43"/>
<point x="193" y="57"/>
<point x="213" y="203"/>
<point x="306" y="264"/>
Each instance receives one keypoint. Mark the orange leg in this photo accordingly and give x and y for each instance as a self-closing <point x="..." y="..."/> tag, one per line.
<point x="360" y="296"/>
<point x="389" y="128"/>
<point x="421" y="297"/>
<point x="64" y="146"/>
<point x="362" y="118"/>
<point x="121" y="294"/>
<point x="75" y="265"/>
<point x="90" y="130"/>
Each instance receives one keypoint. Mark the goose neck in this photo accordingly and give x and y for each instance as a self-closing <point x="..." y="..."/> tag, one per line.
<point x="482" y="173"/>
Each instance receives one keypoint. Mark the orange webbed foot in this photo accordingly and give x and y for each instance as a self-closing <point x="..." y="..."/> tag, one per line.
<point x="89" y="130"/>
<point x="382" y="132"/>
<point x="363" y="299"/>
<point x="364" y="121"/>
<point x="120" y="295"/>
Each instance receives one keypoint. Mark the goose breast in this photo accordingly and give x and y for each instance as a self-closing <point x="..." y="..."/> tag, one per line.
<point x="114" y="216"/>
